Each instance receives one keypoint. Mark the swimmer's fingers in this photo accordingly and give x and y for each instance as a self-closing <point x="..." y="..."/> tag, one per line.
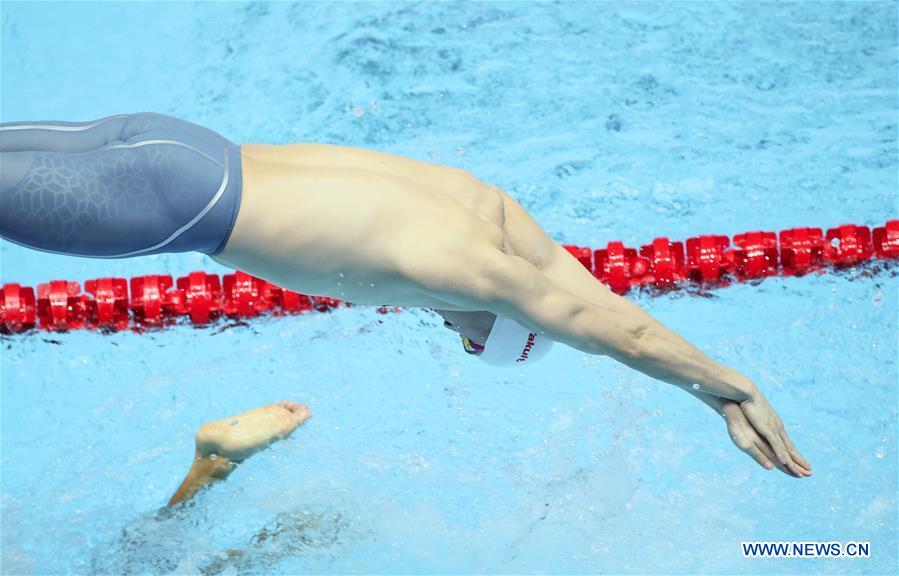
<point x="769" y="426"/>
<point x="769" y="455"/>
<point x="780" y="451"/>
<point x="794" y="453"/>
<point x="755" y="452"/>
<point x="781" y="444"/>
<point x="746" y="438"/>
<point x="774" y="438"/>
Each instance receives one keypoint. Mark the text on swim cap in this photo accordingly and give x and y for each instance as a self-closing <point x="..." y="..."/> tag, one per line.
<point x="527" y="347"/>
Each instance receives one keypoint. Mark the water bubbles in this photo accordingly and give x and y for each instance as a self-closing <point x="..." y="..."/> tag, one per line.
<point x="835" y="242"/>
<point x="696" y="386"/>
<point x="879" y="452"/>
<point x="460" y="151"/>
<point x="372" y="284"/>
<point x="878" y="299"/>
<point x="213" y="456"/>
<point x="358" y="111"/>
<point x="340" y="274"/>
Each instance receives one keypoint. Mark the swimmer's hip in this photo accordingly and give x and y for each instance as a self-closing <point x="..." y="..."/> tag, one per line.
<point x="121" y="186"/>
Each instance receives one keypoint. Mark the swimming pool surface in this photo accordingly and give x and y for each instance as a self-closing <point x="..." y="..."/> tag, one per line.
<point x="609" y="122"/>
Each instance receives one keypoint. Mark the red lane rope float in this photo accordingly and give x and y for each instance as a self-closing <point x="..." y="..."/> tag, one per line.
<point x="155" y="301"/>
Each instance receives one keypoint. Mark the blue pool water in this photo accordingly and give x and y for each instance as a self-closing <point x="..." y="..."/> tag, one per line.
<point x="608" y="121"/>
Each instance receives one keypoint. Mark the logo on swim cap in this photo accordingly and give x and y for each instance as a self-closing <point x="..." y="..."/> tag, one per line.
<point x="527" y="347"/>
<point x="509" y="344"/>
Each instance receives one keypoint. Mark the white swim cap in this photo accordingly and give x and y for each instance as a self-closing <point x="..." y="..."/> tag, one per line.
<point x="511" y="344"/>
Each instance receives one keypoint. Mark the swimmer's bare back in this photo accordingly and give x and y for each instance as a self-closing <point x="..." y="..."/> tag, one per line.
<point x="375" y="228"/>
<point x="355" y="224"/>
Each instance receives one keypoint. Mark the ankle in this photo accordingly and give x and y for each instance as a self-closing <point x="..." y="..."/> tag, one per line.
<point x="211" y="466"/>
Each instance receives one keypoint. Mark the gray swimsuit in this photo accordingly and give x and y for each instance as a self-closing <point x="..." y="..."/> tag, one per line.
<point x="121" y="186"/>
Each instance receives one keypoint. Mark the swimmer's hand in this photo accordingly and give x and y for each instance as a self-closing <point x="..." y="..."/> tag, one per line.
<point x="756" y="429"/>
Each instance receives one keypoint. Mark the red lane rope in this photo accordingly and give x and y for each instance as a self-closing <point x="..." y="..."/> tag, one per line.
<point x="155" y="301"/>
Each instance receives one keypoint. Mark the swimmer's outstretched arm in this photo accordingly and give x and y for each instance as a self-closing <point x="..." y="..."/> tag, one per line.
<point x="552" y="292"/>
<point x="222" y="444"/>
<point x="601" y="322"/>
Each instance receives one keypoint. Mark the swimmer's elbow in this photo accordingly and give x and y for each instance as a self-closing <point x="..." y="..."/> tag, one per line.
<point x="629" y="343"/>
<point x="638" y="342"/>
<point x="573" y="322"/>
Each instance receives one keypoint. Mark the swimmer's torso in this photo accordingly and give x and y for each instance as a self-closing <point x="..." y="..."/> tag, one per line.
<point x="350" y="223"/>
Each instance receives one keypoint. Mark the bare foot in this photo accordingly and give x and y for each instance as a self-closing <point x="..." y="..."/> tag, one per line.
<point x="239" y="437"/>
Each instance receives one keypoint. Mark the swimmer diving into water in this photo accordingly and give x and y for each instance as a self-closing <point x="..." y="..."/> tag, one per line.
<point x="358" y="225"/>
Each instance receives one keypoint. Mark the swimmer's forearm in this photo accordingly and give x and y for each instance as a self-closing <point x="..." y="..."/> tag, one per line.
<point x="598" y="321"/>
<point x="567" y="303"/>
<point x="203" y="472"/>
<point x="623" y="331"/>
<point x="664" y="355"/>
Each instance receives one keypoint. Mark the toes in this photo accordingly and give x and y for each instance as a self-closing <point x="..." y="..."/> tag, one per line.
<point x="295" y="407"/>
<point x="301" y="414"/>
<point x="297" y="413"/>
